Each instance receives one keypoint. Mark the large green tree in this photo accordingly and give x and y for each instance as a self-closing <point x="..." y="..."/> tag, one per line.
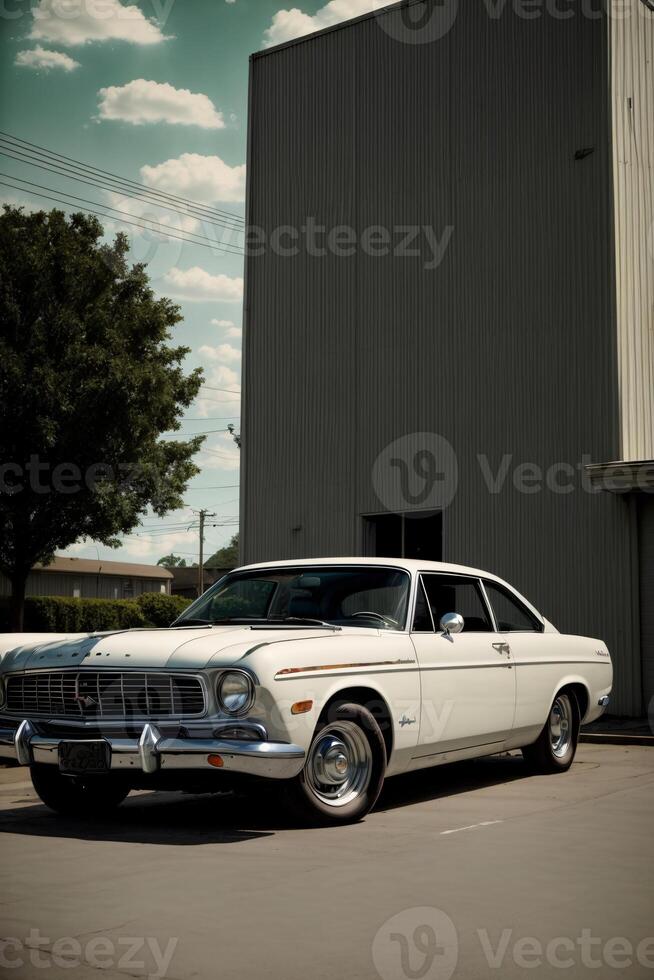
<point x="89" y="381"/>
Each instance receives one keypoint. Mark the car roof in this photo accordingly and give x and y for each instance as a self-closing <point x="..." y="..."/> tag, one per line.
<point x="408" y="564"/>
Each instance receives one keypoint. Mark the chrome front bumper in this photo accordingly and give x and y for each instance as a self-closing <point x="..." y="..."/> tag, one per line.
<point x="153" y="752"/>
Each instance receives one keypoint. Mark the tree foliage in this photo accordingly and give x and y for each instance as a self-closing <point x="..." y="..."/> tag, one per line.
<point x="172" y="561"/>
<point x="226" y="557"/>
<point x="89" y="381"/>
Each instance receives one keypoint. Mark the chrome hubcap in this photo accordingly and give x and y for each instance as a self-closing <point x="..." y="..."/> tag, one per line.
<point x="561" y="726"/>
<point x="339" y="764"/>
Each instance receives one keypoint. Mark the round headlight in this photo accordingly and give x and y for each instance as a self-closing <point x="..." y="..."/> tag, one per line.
<point x="235" y="692"/>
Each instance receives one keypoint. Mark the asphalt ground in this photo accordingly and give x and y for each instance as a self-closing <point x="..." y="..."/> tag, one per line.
<point x="470" y="870"/>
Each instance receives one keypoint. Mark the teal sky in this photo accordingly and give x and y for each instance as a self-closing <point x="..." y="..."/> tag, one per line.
<point x="206" y="51"/>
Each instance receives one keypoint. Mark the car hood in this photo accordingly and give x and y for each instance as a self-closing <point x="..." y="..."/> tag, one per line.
<point x="181" y="648"/>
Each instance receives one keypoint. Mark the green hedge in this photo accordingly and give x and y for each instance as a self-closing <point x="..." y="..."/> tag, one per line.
<point x="161" y="610"/>
<point x="57" y="614"/>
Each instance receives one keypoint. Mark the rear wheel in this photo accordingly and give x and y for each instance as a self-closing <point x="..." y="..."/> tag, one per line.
<point x="78" y="795"/>
<point x="555" y="748"/>
<point x="344" y="769"/>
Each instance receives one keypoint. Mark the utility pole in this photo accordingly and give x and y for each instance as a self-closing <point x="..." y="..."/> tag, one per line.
<point x="203" y="514"/>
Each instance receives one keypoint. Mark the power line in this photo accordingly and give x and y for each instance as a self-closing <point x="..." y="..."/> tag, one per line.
<point x="230" y="390"/>
<point x="217" y="452"/>
<point x="101" y="214"/>
<point x="40" y="151"/>
<point x="216" y="401"/>
<point x="231" y="250"/>
<point x="228" y="486"/>
<point x="62" y="172"/>
<point x="194" y="432"/>
<point x="212" y="418"/>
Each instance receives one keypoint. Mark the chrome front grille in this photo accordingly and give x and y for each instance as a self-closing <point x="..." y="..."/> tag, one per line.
<point x="105" y="694"/>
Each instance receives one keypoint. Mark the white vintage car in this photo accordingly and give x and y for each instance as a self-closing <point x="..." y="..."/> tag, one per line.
<point x="324" y="675"/>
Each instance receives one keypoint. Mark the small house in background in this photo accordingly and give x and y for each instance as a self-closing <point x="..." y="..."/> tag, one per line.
<point x="84" y="578"/>
<point x="185" y="580"/>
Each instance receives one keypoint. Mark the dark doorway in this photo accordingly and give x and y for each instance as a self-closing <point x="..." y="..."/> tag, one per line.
<point x="412" y="535"/>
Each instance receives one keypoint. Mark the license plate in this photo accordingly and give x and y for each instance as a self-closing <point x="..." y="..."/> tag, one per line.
<point x="84" y="757"/>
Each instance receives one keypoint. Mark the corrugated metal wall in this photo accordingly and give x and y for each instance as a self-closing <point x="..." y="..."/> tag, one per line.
<point x="632" y="81"/>
<point x="507" y="349"/>
<point x="646" y="549"/>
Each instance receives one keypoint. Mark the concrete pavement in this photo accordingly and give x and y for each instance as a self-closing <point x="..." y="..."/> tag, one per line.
<point x="464" y="871"/>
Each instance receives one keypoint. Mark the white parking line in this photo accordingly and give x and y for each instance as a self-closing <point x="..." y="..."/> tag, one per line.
<point x="473" y="826"/>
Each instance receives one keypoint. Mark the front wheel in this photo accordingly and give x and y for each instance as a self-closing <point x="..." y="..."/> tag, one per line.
<point x="344" y="769"/>
<point x="78" y="796"/>
<point x="555" y="748"/>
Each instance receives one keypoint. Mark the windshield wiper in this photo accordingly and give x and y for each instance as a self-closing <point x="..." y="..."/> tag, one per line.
<point x="239" y="620"/>
<point x="194" y="622"/>
<point x="308" y="620"/>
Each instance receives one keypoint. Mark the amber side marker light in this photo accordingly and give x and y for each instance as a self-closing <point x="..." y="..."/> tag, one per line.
<point x="215" y="760"/>
<point x="301" y="707"/>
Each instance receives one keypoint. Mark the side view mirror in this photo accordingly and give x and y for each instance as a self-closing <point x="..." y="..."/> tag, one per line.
<point x="452" y="623"/>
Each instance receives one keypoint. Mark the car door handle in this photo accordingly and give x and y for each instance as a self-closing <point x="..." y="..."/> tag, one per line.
<point x="502" y="647"/>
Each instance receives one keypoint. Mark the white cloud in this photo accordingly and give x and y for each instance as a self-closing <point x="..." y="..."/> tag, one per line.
<point x="222" y="389"/>
<point x="39" y="57"/>
<point x="226" y="378"/>
<point x="230" y="328"/>
<point x="147" y="212"/>
<point x="224" y="353"/>
<point x="203" y="178"/>
<point x="71" y="22"/>
<point x="142" y="101"/>
<point x="221" y="453"/>
<point x="198" y="285"/>
<point x="287" y="24"/>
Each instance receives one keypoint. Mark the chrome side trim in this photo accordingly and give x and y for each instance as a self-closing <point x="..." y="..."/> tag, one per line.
<point x="309" y="670"/>
<point x="465" y="748"/>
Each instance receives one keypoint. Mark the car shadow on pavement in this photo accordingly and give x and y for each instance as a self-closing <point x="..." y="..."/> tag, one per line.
<point x="173" y="818"/>
<point x="449" y="780"/>
<point x="147" y="818"/>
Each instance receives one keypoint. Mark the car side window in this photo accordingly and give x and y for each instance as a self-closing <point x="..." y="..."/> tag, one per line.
<point x="422" y="621"/>
<point x="457" y="594"/>
<point x="511" y="615"/>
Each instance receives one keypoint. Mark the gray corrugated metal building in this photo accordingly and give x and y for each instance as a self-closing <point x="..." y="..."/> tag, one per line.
<point x="475" y="394"/>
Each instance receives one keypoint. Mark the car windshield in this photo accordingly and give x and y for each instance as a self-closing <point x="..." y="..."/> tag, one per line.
<point x="350" y="595"/>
